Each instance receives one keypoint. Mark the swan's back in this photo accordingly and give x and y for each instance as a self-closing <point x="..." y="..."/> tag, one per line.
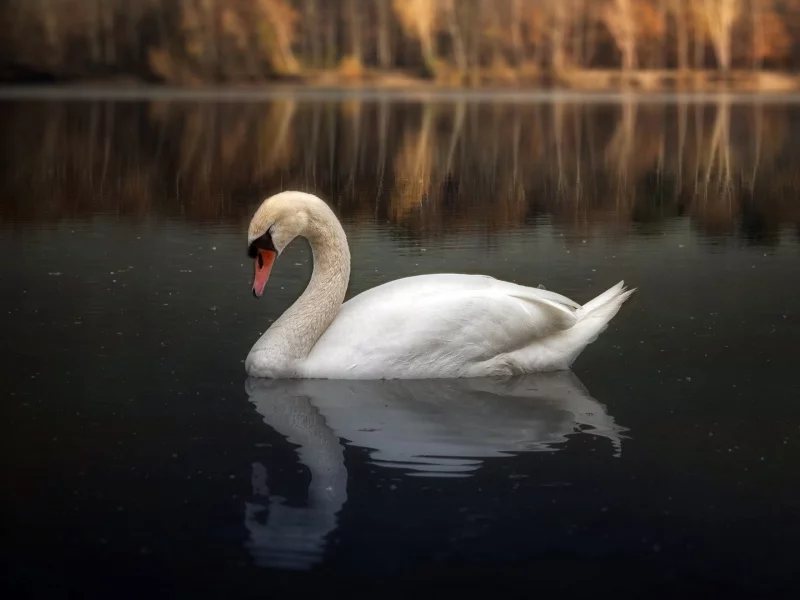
<point x="447" y="325"/>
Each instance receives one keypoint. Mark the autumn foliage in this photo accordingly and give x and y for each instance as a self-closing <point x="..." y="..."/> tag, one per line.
<point x="454" y="41"/>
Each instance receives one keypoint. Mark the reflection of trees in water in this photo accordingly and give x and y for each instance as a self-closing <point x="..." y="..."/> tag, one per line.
<point x="428" y="168"/>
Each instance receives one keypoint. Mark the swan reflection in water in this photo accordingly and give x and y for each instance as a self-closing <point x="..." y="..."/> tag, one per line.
<point x="427" y="428"/>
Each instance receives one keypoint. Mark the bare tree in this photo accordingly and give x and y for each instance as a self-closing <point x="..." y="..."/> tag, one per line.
<point x="354" y="25"/>
<point x="621" y="23"/>
<point x="455" y="36"/>
<point x="757" y="30"/>
<point x="313" y="31"/>
<point x="384" y="42"/>
<point x="590" y="45"/>
<point x="95" y="7"/>
<point x="579" y="38"/>
<point x="109" y="41"/>
<point x="559" y="25"/>
<point x="720" y="17"/>
<point x="50" y="21"/>
<point x="680" y="17"/>
<point x="209" y="16"/>
<point x="331" y="35"/>
<point x="516" y="31"/>
<point x="191" y="41"/>
<point x="418" y="17"/>
<point x="280" y="19"/>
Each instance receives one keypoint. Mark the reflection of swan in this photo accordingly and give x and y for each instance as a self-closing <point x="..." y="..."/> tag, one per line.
<point x="292" y="536"/>
<point x="409" y="425"/>
<point x="442" y="325"/>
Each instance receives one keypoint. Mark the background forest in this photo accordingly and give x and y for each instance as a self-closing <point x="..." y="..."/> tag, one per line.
<point x="579" y="43"/>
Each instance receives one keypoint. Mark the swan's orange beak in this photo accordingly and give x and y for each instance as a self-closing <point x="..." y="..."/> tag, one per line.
<point x="264" y="261"/>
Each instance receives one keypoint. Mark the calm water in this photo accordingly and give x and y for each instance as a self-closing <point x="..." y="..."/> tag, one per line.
<point x="139" y="459"/>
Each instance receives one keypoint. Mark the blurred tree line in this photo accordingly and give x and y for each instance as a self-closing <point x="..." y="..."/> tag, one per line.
<point x="452" y="41"/>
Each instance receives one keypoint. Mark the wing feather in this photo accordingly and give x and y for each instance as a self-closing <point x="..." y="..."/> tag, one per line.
<point x="446" y="321"/>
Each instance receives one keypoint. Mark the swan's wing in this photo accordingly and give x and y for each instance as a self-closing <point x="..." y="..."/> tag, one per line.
<point x="440" y="322"/>
<point x="439" y="283"/>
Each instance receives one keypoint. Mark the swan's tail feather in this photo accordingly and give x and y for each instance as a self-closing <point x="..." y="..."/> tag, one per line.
<point x="559" y="350"/>
<point x="594" y="316"/>
<point x="602" y="299"/>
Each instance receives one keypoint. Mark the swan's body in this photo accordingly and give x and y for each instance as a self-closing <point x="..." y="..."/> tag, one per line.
<point x="428" y="326"/>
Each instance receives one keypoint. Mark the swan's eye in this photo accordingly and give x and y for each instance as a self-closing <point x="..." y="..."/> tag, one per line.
<point x="262" y="243"/>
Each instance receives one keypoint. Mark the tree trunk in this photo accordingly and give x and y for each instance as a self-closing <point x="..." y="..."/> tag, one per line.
<point x="723" y="47"/>
<point x="49" y="17"/>
<point x="94" y="34"/>
<point x="354" y="22"/>
<point x="628" y="57"/>
<point x="721" y="17"/>
<point x="699" y="48"/>
<point x="455" y="36"/>
<point x="109" y="42"/>
<point x="621" y="23"/>
<point x="682" y="34"/>
<point x="758" y="33"/>
<point x="579" y="7"/>
<point x="211" y="53"/>
<point x="663" y="11"/>
<point x="331" y="45"/>
<point x="493" y="17"/>
<point x="428" y="52"/>
<point x="384" y="43"/>
<point x="475" y="39"/>
<point x="312" y="27"/>
<point x="590" y="46"/>
<point x="558" y="36"/>
<point x="516" y="32"/>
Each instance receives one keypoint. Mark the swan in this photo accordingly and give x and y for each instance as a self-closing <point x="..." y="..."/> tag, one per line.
<point x="444" y="325"/>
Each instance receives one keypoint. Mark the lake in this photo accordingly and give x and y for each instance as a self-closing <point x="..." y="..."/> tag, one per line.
<point x="139" y="457"/>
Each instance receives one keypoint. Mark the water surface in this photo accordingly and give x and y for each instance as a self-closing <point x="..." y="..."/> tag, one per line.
<point x="140" y="457"/>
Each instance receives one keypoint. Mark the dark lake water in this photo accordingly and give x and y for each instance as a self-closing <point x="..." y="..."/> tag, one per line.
<point x="138" y="458"/>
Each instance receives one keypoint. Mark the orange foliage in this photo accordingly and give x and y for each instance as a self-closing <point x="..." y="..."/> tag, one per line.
<point x="229" y="40"/>
<point x="773" y="41"/>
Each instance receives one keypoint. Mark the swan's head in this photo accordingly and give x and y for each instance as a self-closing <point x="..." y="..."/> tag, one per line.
<point x="278" y="220"/>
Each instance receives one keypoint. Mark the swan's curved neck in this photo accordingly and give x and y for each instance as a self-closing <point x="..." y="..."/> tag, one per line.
<point x="294" y="334"/>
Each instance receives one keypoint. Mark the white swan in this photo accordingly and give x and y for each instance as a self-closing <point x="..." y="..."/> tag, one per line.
<point x="421" y="327"/>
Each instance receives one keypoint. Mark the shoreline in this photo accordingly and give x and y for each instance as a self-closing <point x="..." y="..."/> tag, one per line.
<point x="81" y="92"/>
<point x="576" y="86"/>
